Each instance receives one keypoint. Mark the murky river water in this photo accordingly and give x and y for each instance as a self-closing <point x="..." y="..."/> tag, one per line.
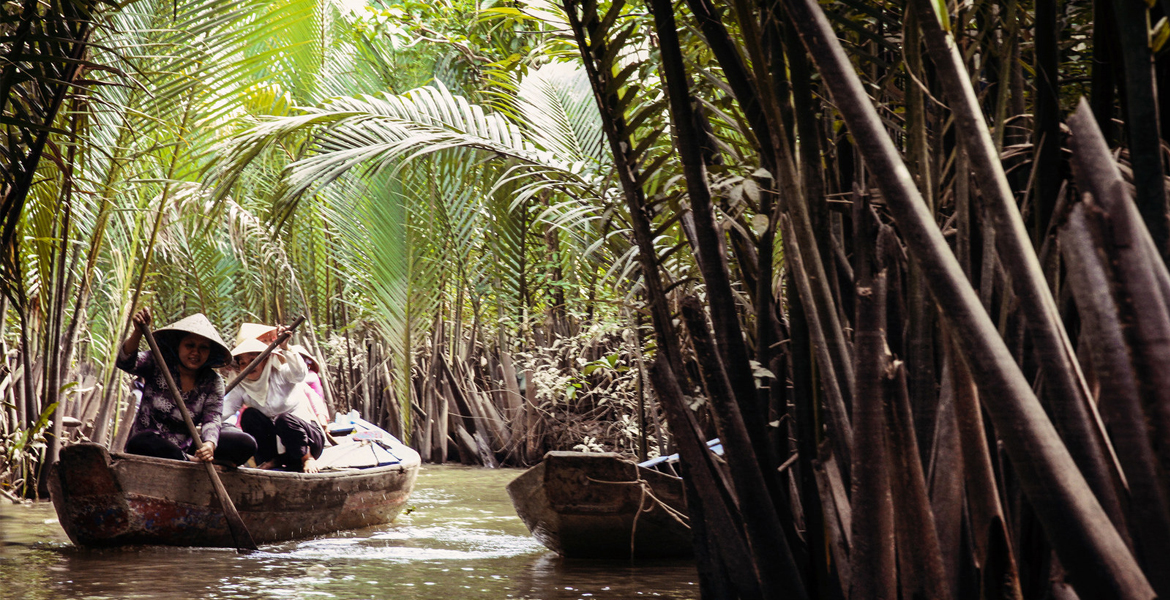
<point x="461" y="539"/>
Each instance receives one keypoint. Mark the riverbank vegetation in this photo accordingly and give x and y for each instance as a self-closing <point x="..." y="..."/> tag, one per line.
<point x="907" y="260"/>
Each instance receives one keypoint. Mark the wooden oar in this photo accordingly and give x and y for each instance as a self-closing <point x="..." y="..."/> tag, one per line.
<point x="240" y="533"/>
<point x="280" y="339"/>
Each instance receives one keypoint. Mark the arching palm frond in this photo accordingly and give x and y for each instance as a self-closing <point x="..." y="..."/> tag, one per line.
<point x="557" y="108"/>
<point x="384" y="132"/>
<point x="45" y="58"/>
<point x="389" y="261"/>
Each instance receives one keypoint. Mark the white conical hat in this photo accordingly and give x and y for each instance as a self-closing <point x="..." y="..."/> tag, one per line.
<point x="249" y="345"/>
<point x="255" y="345"/>
<point x="252" y="331"/>
<point x="198" y="324"/>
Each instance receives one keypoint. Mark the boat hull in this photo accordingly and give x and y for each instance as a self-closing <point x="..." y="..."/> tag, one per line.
<point x="105" y="499"/>
<point x="601" y="505"/>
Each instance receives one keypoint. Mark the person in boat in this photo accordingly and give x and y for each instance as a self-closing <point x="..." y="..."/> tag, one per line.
<point x="314" y="393"/>
<point x="191" y="349"/>
<point x="260" y="331"/>
<point x="276" y="410"/>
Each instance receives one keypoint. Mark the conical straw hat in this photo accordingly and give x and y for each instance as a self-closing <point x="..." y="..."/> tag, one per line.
<point x="249" y="345"/>
<point x="170" y="336"/>
<point x="252" y="331"/>
<point x="255" y="345"/>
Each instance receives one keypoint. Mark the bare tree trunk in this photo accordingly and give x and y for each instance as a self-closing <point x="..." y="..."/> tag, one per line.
<point x="872" y="562"/>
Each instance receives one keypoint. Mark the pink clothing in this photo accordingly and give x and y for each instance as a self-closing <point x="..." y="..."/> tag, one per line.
<point x="316" y="397"/>
<point x="314" y="381"/>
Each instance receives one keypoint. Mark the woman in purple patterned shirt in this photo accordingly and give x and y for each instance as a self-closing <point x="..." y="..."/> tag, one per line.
<point x="191" y="349"/>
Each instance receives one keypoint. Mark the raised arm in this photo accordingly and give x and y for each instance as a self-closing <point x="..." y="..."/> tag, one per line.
<point x="130" y="346"/>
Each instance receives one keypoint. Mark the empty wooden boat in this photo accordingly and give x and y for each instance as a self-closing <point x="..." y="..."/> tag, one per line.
<point x="602" y="505"/>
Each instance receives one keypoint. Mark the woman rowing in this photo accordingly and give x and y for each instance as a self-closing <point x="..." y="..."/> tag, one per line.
<point x="191" y="349"/>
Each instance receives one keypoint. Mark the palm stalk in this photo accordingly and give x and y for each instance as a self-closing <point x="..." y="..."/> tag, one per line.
<point x="1142" y="120"/>
<point x="163" y="200"/>
<point x="921" y="317"/>
<point x="762" y="527"/>
<point x="1046" y="128"/>
<point x="721" y="543"/>
<point x="873" y="560"/>
<point x="1148" y="341"/>
<point x="839" y="424"/>
<point x="1073" y="411"/>
<point x="776" y="153"/>
<point x="1139" y="271"/>
<point x="984" y="508"/>
<point x="920" y="557"/>
<point x="56" y="354"/>
<point x="589" y="29"/>
<point x="1120" y="397"/>
<point x="1080" y="531"/>
<point x="711" y="250"/>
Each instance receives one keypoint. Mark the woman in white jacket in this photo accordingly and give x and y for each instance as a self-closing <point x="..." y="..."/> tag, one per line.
<point x="276" y="411"/>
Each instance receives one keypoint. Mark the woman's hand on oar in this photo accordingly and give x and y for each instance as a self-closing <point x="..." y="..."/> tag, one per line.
<point x="206" y="452"/>
<point x="141" y="319"/>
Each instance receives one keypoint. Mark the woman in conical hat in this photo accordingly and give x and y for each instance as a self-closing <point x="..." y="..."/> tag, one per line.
<point x="191" y="349"/>
<point x="277" y="411"/>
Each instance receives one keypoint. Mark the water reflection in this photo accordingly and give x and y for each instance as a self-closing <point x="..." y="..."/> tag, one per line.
<point x="461" y="539"/>
<point x="552" y="576"/>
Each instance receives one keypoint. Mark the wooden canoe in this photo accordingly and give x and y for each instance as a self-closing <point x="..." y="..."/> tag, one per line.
<point x="105" y="499"/>
<point x="601" y="505"/>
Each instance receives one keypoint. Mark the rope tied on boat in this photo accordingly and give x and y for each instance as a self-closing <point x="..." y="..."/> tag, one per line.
<point x="647" y="492"/>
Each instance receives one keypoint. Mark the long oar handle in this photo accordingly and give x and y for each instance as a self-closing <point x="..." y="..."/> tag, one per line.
<point x="280" y="339"/>
<point x="240" y="533"/>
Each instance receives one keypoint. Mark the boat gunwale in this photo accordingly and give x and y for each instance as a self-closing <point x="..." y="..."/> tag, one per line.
<point x="343" y="473"/>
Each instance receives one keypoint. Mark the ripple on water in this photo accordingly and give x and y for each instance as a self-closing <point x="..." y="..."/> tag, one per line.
<point x="417" y="544"/>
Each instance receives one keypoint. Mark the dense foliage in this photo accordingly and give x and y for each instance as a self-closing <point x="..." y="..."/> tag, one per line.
<point x="884" y="250"/>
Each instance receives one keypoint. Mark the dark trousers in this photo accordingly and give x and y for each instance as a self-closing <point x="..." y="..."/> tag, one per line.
<point x="234" y="447"/>
<point x="300" y="437"/>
